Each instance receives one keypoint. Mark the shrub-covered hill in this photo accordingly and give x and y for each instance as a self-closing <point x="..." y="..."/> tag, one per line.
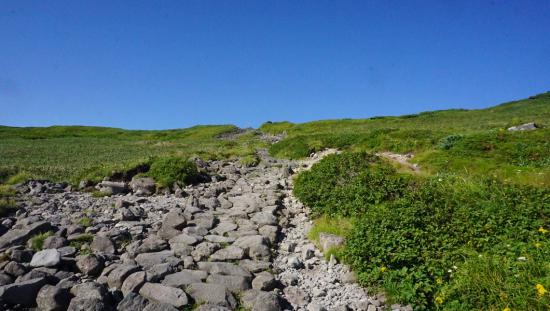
<point x="464" y="141"/>
<point x="73" y="153"/>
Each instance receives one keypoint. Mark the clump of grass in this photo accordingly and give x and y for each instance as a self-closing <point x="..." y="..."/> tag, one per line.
<point x="81" y="241"/>
<point x="7" y="202"/>
<point x="85" y="222"/>
<point x="37" y="242"/>
<point x="18" y="178"/>
<point x="99" y="194"/>
<point x="249" y="160"/>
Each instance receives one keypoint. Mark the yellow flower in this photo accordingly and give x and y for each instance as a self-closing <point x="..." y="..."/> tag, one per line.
<point x="506" y="309"/>
<point x="542" y="230"/>
<point x="538" y="245"/>
<point x="439" y="300"/>
<point x="540" y="290"/>
<point x="439" y="281"/>
<point x="383" y="269"/>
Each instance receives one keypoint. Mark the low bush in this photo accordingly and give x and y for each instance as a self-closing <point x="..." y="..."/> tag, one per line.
<point x="169" y="170"/>
<point x="413" y="236"/>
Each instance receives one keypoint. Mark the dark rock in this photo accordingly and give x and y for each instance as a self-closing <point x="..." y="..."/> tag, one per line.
<point x="143" y="186"/>
<point x="103" y="245"/>
<point x="91" y="264"/>
<point x="22" y="293"/>
<point x="212" y="294"/>
<point x="132" y="302"/>
<point x="52" y="298"/>
<point x="164" y="294"/>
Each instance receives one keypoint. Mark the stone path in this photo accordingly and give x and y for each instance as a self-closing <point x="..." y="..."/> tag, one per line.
<point x="238" y="241"/>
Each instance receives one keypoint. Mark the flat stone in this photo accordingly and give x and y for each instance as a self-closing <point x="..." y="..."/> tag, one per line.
<point x="20" y="236"/>
<point x="132" y="302"/>
<point x="229" y="253"/>
<point x="234" y="283"/>
<point x="212" y="294"/>
<point x="264" y="218"/>
<point x="148" y="260"/>
<point x="164" y="294"/>
<point x="46" y="258"/>
<point x="223" y="268"/>
<point x="183" y="278"/>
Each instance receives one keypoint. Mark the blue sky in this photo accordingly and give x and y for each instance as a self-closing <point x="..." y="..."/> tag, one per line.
<point x="172" y="64"/>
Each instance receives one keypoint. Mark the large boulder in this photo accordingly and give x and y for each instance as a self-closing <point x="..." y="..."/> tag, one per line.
<point x="184" y="278"/>
<point x="90" y="264"/>
<point x="52" y="298"/>
<point x="112" y="187"/>
<point x="524" y="127"/>
<point x="18" y="236"/>
<point x="119" y="274"/>
<point x="132" y="302"/>
<point x="103" y="245"/>
<point x="148" y="260"/>
<point x="46" y="258"/>
<point x="164" y="294"/>
<point x="22" y="293"/>
<point x="143" y="186"/>
<point x="214" y="294"/>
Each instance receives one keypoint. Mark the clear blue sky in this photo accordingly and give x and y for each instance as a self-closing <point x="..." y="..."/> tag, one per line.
<point x="172" y="64"/>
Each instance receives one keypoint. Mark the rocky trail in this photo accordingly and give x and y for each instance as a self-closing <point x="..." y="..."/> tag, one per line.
<point x="238" y="241"/>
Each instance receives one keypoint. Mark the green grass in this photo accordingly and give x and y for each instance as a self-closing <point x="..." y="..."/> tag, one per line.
<point x="37" y="242"/>
<point x="7" y="201"/>
<point x="472" y="142"/>
<point x="85" y="222"/>
<point x="73" y="153"/>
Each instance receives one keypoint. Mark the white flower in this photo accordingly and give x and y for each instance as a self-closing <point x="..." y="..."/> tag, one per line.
<point x="522" y="258"/>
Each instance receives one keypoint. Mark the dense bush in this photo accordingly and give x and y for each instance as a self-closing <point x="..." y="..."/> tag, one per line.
<point x="411" y="236"/>
<point x="347" y="184"/>
<point x="169" y="170"/>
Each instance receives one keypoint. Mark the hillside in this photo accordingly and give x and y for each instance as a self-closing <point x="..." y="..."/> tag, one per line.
<point x="442" y="210"/>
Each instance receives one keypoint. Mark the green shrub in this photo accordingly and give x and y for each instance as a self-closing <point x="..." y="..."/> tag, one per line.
<point x="449" y="141"/>
<point x="348" y="183"/>
<point x="37" y="241"/>
<point x="169" y="170"/>
<point x="85" y="221"/>
<point x="410" y="234"/>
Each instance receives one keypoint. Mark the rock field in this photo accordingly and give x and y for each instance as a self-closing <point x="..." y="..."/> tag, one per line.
<point x="236" y="242"/>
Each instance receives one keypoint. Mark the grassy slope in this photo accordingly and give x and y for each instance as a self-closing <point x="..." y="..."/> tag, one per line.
<point x="76" y="152"/>
<point x="486" y="147"/>
<point x="450" y="237"/>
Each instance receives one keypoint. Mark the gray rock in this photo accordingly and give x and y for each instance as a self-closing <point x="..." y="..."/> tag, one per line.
<point x="20" y="236"/>
<point x="46" y="258"/>
<point x="90" y="296"/>
<point x="315" y="307"/>
<point x="91" y="264"/>
<point x="5" y="279"/>
<point x="296" y="296"/>
<point x="295" y="262"/>
<point x="133" y="282"/>
<point x="229" y="253"/>
<point x="234" y="283"/>
<point x="264" y="281"/>
<point x="22" y="293"/>
<point x="148" y="260"/>
<point x="223" y="268"/>
<point x="158" y="306"/>
<point x="159" y="271"/>
<point x="15" y="269"/>
<point x="112" y="187"/>
<point x="21" y="255"/>
<point x="52" y="298"/>
<point x="132" y="302"/>
<point x="308" y="251"/>
<point x="264" y="218"/>
<point x="54" y="242"/>
<point x="254" y="266"/>
<point x="524" y="127"/>
<point x="143" y="186"/>
<point x="183" y="278"/>
<point x="119" y="274"/>
<point x="152" y="244"/>
<point x="329" y="241"/>
<point x="270" y="232"/>
<point x="257" y="300"/>
<point x="212" y="294"/>
<point x="204" y="250"/>
<point x="255" y="246"/>
<point x="103" y="245"/>
<point x="164" y="294"/>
